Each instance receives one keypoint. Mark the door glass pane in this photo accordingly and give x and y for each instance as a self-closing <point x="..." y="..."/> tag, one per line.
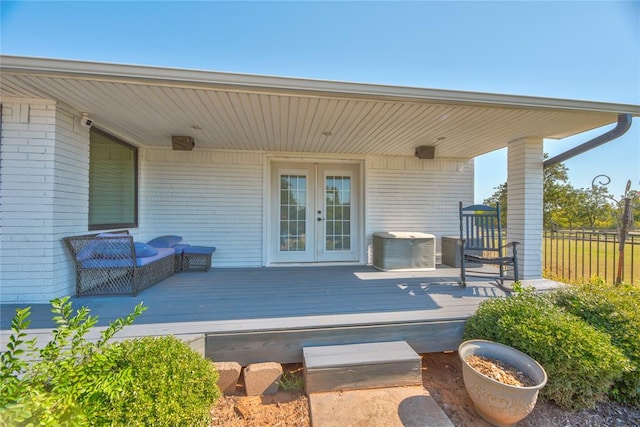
<point x="293" y="206"/>
<point x="337" y="209"/>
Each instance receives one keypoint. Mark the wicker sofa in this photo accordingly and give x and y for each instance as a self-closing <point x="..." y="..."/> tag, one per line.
<point x="113" y="264"/>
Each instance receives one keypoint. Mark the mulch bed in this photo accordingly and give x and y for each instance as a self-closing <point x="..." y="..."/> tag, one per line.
<point x="497" y="370"/>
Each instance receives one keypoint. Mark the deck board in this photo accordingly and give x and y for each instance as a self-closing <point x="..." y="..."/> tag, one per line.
<point x="236" y="304"/>
<point x="258" y="293"/>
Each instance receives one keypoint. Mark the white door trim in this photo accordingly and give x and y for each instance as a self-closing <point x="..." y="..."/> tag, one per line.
<point x="314" y="166"/>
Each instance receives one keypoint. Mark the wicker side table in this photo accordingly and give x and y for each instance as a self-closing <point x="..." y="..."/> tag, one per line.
<point x="179" y="249"/>
<point x="197" y="258"/>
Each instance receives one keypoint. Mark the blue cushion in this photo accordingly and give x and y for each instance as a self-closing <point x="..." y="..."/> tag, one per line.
<point x="203" y="250"/>
<point x="180" y="247"/>
<point x="122" y="233"/>
<point x="113" y="249"/>
<point x="143" y="250"/>
<point x="89" y="251"/>
<point x="127" y="262"/>
<point x="165" y="241"/>
<point x="108" y="263"/>
<point x="162" y="253"/>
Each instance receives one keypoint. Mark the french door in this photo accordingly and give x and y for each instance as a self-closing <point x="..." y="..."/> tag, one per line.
<point x="314" y="211"/>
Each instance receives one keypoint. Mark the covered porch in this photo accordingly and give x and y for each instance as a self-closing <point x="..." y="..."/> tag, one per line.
<point x="270" y="170"/>
<point x="268" y="314"/>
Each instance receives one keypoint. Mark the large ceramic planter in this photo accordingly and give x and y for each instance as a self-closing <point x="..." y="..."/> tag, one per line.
<point x="498" y="403"/>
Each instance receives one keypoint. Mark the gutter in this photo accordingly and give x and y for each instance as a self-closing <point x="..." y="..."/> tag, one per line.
<point x="624" y="123"/>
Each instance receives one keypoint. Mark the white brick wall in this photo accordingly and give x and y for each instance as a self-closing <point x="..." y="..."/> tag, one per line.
<point x="43" y="184"/>
<point x="209" y="198"/>
<point x="408" y="194"/>
<point x="216" y="198"/>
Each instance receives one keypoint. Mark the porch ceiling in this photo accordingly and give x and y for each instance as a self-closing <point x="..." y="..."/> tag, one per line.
<point x="147" y="105"/>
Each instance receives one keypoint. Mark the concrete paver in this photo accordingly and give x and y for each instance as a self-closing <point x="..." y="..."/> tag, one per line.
<point x="262" y="378"/>
<point x="228" y="372"/>
<point x="388" y="407"/>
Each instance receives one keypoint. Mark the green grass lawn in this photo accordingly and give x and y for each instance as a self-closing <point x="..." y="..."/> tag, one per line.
<point x="576" y="256"/>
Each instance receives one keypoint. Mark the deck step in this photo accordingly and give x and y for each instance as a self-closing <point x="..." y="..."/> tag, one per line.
<point x="361" y="366"/>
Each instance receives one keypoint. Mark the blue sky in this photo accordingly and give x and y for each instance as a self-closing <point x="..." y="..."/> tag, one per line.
<point x="574" y="50"/>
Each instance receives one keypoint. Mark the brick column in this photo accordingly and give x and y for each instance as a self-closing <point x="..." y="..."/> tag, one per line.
<point x="524" y="203"/>
<point x="44" y="158"/>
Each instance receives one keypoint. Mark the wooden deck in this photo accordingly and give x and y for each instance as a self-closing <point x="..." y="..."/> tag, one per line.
<point x="268" y="314"/>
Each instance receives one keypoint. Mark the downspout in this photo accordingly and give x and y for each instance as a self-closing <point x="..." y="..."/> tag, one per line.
<point x="624" y="123"/>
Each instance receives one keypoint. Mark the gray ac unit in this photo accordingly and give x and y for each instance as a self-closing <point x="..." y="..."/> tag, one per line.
<point x="404" y="251"/>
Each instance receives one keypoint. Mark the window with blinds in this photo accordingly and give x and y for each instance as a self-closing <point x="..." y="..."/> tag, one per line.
<point x="113" y="182"/>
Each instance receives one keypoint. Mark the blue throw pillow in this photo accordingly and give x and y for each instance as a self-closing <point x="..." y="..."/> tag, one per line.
<point x="113" y="249"/>
<point x="143" y="250"/>
<point x="165" y="241"/>
<point x="89" y="251"/>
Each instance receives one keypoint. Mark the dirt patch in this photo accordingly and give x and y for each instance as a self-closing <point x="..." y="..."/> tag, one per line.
<point x="441" y="375"/>
<point x="283" y="409"/>
<point x="286" y="408"/>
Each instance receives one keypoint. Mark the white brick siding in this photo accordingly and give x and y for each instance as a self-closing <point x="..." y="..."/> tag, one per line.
<point x="408" y="194"/>
<point x="44" y="164"/>
<point x="209" y="198"/>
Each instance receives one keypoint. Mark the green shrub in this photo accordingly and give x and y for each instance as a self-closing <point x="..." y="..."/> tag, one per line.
<point x="616" y="311"/>
<point x="62" y="382"/>
<point x="172" y="385"/>
<point x="72" y="381"/>
<point x="581" y="363"/>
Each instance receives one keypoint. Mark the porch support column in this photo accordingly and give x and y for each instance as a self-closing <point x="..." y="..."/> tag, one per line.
<point x="524" y="203"/>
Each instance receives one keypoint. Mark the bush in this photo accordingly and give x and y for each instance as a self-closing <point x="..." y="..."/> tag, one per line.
<point x="64" y="381"/>
<point x="172" y="385"/>
<point x="580" y="361"/>
<point x="614" y="310"/>
<point x="72" y="381"/>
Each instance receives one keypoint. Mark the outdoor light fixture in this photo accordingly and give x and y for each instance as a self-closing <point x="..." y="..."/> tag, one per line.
<point x="182" y="143"/>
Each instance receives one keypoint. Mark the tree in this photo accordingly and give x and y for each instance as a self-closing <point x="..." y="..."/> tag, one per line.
<point x="566" y="211"/>
<point x="595" y="206"/>
<point x="635" y="208"/>
<point x="557" y="193"/>
<point x="568" y="207"/>
<point x="500" y="196"/>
